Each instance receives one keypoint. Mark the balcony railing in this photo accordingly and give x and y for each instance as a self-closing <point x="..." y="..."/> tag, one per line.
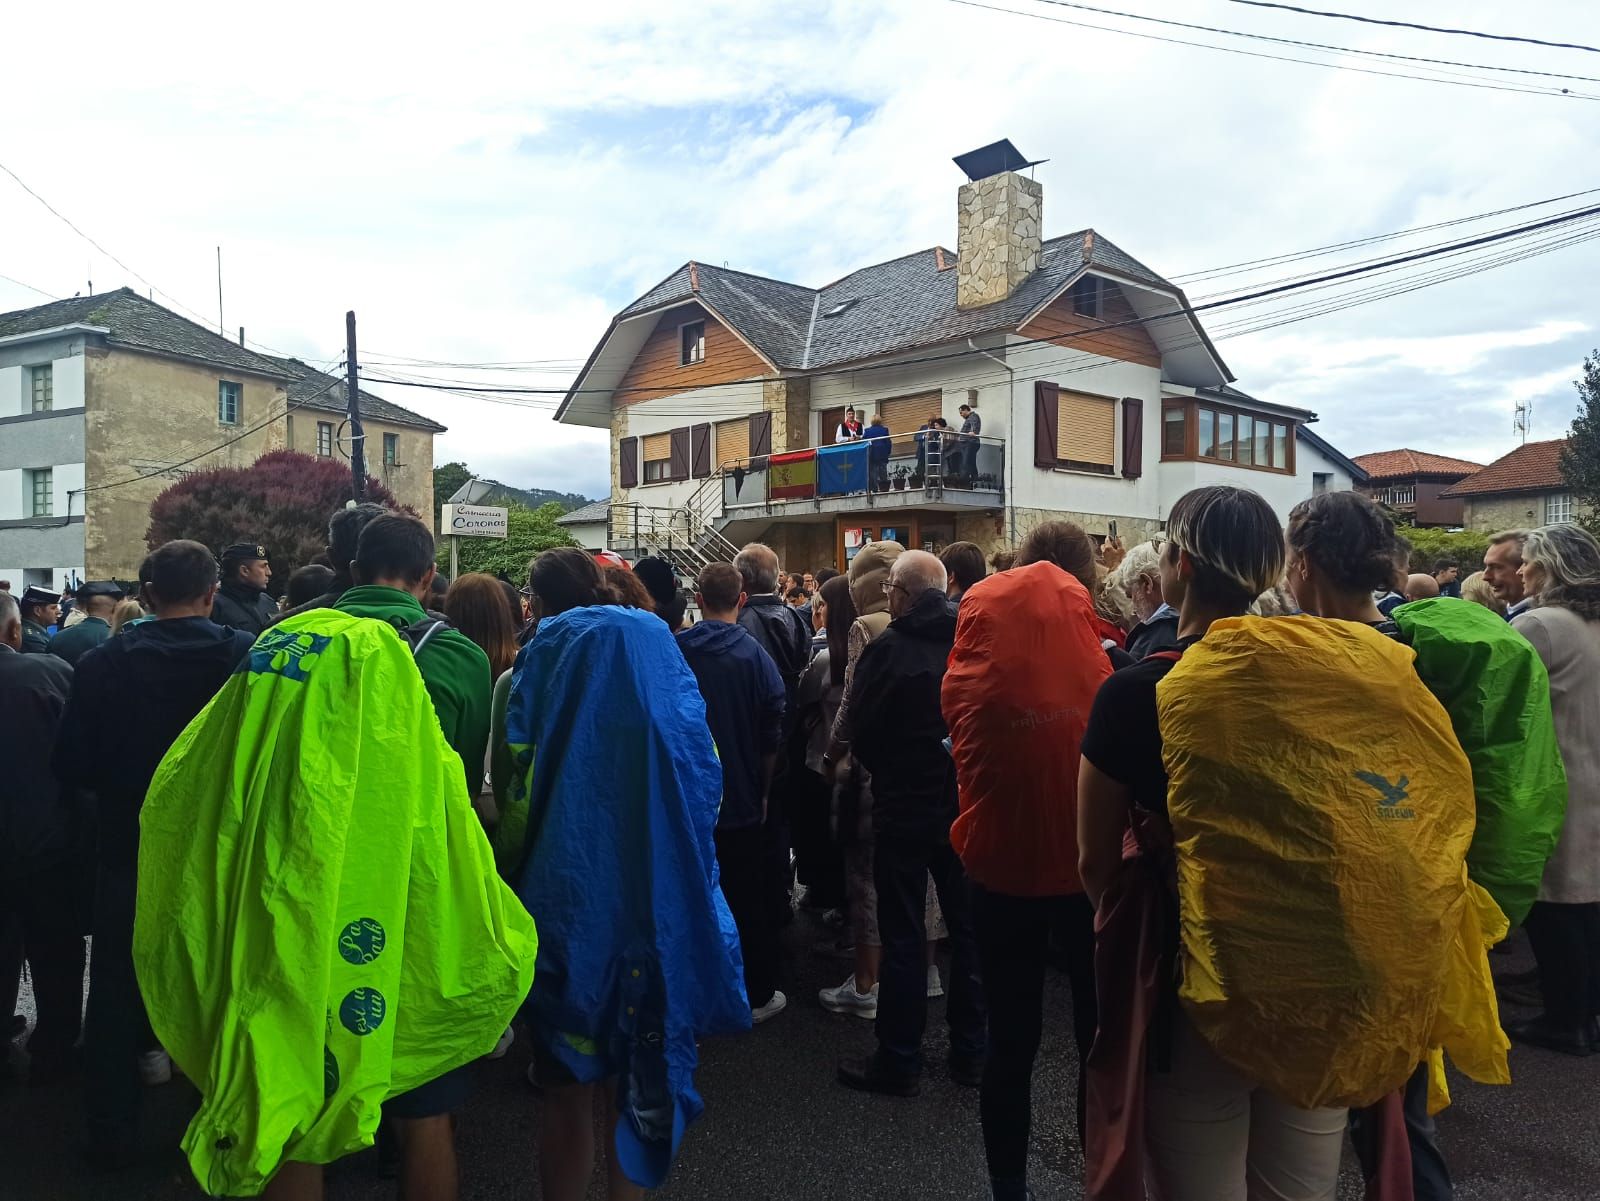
<point x="947" y="467"/>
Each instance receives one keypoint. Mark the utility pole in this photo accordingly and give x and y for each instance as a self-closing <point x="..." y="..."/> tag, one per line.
<point x="358" y="453"/>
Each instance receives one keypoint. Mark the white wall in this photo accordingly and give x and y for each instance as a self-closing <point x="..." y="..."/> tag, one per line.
<point x="16" y="496"/>
<point x="591" y="535"/>
<point x="66" y="384"/>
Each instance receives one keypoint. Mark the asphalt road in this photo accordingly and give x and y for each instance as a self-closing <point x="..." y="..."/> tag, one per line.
<point x="777" y="1126"/>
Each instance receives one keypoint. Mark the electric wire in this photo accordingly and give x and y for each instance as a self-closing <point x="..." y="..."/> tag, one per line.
<point x="1470" y="33"/>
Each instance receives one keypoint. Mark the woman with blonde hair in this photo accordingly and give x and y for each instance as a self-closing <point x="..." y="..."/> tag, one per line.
<point x="1475" y="588"/>
<point x="128" y="612"/>
<point x="1561" y="571"/>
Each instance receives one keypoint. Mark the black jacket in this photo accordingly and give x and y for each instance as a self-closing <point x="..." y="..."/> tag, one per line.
<point x="130" y="701"/>
<point x="784" y="635"/>
<point x="1153" y="634"/>
<point x="243" y="608"/>
<point x="899" y="723"/>
<point x="36" y="820"/>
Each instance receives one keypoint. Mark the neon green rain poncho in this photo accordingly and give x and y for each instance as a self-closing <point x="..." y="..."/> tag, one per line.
<point x="320" y="925"/>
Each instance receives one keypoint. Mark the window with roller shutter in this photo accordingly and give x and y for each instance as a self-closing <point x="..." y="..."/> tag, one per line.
<point x="733" y="440"/>
<point x="1086" y="432"/>
<point x="657" y="457"/>
<point x="905" y="415"/>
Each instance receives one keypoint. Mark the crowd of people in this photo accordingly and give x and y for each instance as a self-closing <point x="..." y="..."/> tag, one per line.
<point x="1247" y="786"/>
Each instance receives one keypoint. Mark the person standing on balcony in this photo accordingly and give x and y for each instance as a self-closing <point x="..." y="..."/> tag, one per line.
<point x="877" y="435"/>
<point x="849" y="429"/>
<point x="964" y="454"/>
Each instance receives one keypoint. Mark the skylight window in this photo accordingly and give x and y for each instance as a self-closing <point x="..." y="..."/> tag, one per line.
<point x="841" y="308"/>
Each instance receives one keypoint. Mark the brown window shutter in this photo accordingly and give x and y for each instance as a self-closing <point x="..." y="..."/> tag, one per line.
<point x="760" y="434"/>
<point x="1086" y="437"/>
<point x="1132" y="437"/>
<point x="628" y="462"/>
<point x="905" y="415"/>
<point x="733" y="441"/>
<point x="1046" y="416"/>
<point x="678" y="469"/>
<point x="700" y="451"/>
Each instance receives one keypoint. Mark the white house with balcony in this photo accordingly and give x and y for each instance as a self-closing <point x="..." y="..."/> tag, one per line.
<point x="1100" y="397"/>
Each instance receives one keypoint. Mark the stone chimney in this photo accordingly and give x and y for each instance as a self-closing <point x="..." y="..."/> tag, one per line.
<point x="1000" y="237"/>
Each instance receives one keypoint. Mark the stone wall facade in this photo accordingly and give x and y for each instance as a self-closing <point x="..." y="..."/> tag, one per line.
<point x="1494" y="513"/>
<point x="789" y="402"/>
<point x="143" y="412"/>
<point x="1000" y="223"/>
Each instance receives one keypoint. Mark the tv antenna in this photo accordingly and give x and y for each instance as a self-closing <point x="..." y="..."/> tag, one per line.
<point x="1524" y="417"/>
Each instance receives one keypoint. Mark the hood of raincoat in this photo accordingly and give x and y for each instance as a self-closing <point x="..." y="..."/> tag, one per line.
<point x="868" y="572"/>
<point x="319" y="925"/>
<point x="607" y="838"/>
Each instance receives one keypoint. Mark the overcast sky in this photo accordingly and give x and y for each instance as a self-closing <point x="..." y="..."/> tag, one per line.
<point x="490" y="184"/>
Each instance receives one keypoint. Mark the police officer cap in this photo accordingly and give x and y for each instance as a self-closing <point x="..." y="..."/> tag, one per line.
<point x="34" y="595"/>
<point x="101" y="588"/>
<point x="244" y="552"/>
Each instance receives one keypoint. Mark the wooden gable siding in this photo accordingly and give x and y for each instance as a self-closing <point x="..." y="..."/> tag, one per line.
<point x="655" y="370"/>
<point x="1130" y="343"/>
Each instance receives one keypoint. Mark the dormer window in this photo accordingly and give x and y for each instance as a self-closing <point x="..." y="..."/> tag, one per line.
<point x="1088" y="297"/>
<point x="691" y="343"/>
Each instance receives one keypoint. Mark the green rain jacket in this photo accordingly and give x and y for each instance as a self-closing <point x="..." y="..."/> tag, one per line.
<point x="319" y="923"/>
<point x="1495" y="688"/>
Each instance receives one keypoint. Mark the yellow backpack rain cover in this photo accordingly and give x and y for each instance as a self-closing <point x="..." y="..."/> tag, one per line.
<point x="320" y="925"/>
<point x="1322" y="811"/>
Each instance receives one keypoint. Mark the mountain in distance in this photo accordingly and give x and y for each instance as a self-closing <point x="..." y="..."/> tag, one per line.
<point x="534" y="497"/>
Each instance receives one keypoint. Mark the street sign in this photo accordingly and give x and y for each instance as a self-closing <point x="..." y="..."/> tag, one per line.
<point x="473" y="521"/>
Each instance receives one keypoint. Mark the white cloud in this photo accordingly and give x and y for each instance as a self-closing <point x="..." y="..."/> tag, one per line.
<point x="491" y="182"/>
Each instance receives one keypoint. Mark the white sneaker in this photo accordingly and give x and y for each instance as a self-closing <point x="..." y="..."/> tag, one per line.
<point x="935" y="985"/>
<point x="770" y="1010"/>
<point x="845" y="999"/>
<point x="504" y="1045"/>
<point x="155" y="1067"/>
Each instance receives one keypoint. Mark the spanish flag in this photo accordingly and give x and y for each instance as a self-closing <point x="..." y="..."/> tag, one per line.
<point x="792" y="476"/>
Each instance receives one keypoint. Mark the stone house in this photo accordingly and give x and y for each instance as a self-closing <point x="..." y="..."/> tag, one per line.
<point x="1411" y="482"/>
<point x="1518" y="490"/>
<point x="106" y="399"/>
<point x="1100" y="399"/>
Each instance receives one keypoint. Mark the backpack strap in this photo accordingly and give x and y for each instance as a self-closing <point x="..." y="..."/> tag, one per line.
<point x="1169" y="656"/>
<point x="419" y="633"/>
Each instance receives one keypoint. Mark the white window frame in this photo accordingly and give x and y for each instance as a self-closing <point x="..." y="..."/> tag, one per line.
<point x="42" y="373"/>
<point x="324" y="439"/>
<point x="1558" y="508"/>
<point x="229" y="391"/>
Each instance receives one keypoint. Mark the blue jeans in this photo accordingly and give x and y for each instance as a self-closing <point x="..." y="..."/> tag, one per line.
<point x="1430" y="1178"/>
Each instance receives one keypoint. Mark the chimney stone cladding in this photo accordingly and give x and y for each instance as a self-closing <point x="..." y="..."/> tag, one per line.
<point x="1000" y="232"/>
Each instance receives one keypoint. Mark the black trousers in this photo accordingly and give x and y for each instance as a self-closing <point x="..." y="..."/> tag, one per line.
<point x="44" y="912"/>
<point x="118" y="1030"/>
<point x="818" y="859"/>
<point x="1014" y="938"/>
<point x="900" y="870"/>
<point x="742" y="856"/>
<point x="1566" y="946"/>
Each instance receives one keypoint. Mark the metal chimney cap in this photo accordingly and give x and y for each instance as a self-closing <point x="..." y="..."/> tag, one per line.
<point x="993" y="159"/>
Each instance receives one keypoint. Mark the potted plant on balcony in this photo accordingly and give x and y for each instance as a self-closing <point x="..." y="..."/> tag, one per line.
<point x="897" y="478"/>
<point x="917" y="478"/>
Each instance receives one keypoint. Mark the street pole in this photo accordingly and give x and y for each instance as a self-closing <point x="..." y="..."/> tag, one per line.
<point x="358" y="445"/>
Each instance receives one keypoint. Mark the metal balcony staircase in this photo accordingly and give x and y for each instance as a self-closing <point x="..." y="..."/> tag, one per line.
<point x="686" y="536"/>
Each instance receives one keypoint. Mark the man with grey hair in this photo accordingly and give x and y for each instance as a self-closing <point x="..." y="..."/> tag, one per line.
<point x="899" y="735"/>
<point x="1502" y="570"/>
<point x="37" y="850"/>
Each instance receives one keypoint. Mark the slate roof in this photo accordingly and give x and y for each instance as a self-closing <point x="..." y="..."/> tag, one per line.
<point x="895" y="306"/>
<point x="1407" y="464"/>
<point x="139" y="323"/>
<point x="595" y="510"/>
<point x="1532" y="467"/>
<point x="313" y="389"/>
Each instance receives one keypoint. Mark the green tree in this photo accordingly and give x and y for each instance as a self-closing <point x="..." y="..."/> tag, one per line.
<point x="528" y="531"/>
<point x="446" y="479"/>
<point x="1580" y="458"/>
<point x="1428" y="546"/>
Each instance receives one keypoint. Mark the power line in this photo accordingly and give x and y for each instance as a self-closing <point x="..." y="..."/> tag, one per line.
<point x="1293" y="285"/>
<point x="1262" y="37"/>
<point x="1470" y="33"/>
<point x="30" y="287"/>
<point x="1561" y="93"/>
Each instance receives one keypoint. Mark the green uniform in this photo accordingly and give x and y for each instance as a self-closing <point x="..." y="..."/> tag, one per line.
<point x="76" y="641"/>
<point x="35" y="638"/>
<point x="454" y="668"/>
